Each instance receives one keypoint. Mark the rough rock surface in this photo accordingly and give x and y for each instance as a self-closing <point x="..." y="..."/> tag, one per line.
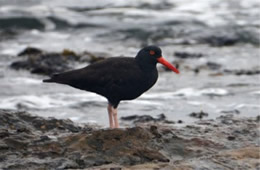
<point x="41" y="62"/>
<point x="32" y="142"/>
<point x="147" y="119"/>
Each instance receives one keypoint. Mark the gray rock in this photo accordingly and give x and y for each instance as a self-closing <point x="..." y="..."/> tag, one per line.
<point x="32" y="142"/>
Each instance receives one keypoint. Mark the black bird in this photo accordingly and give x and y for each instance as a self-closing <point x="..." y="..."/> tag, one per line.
<point x="117" y="78"/>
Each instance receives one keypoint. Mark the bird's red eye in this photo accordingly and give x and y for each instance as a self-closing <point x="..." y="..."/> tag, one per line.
<point x="152" y="52"/>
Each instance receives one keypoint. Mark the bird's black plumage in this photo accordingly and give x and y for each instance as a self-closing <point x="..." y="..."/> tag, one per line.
<point x="117" y="78"/>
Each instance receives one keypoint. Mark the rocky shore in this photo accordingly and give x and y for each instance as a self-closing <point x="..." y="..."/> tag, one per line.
<point x="42" y="62"/>
<point x="32" y="142"/>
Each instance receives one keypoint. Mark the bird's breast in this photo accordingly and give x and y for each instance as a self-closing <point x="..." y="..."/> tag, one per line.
<point x="138" y="86"/>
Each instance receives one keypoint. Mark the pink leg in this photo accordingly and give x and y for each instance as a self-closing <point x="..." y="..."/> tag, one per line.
<point x="116" y="125"/>
<point x="110" y="115"/>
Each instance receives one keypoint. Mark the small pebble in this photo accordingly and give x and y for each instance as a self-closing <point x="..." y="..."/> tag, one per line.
<point x="231" y="137"/>
<point x="180" y="121"/>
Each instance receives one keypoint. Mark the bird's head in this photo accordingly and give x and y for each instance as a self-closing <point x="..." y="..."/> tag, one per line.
<point x="151" y="55"/>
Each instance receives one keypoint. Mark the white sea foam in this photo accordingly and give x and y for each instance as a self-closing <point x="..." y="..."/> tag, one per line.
<point x="214" y="91"/>
<point x="47" y="101"/>
<point x="186" y="92"/>
<point x="31" y="101"/>
<point x="161" y="95"/>
<point x="201" y="104"/>
<point x="255" y="92"/>
<point x="145" y="102"/>
<point x="24" y="80"/>
<point x="189" y="92"/>
<point x="247" y="105"/>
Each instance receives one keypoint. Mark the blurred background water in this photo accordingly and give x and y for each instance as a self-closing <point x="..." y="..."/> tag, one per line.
<point x="223" y="35"/>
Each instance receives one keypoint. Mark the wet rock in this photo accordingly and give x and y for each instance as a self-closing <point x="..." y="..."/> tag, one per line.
<point x="40" y="62"/>
<point x="198" y="115"/>
<point x="23" y="122"/>
<point x="8" y="34"/>
<point x="196" y="70"/>
<point x="4" y="133"/>
<point x="179" y="121"/>
<point x="157" y="6"/>
<point x="185" y="55"/>
<point x="208" y="66"/>
<point x="242" y="72"/>
<point x="127" y="147"/>
<point x="231" y="111"/>
<point x="220" y="40"/>
<point x="21" y="23"/>
<point x="67" y="52"/>
<point x="30" y="51"/>
<point x="24" y="145"/>
<point x="243" y="153"/>
<point x="45" y="63"/>
<point x="228" y="36"/>
<point x="146" y="119"/>
<point x="169" y="122"/>
<point x="61" y="23"/>
<point x="92" y="58"/>
<point x="213" y="65"/>
<point x="231" y="137"/>
<point x="154" y="130"/>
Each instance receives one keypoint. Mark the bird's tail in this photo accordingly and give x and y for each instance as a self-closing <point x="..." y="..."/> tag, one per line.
<point x="47" y="80"/>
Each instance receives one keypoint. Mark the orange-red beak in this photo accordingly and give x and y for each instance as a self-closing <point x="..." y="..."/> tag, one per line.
<point x="167" y="64"/>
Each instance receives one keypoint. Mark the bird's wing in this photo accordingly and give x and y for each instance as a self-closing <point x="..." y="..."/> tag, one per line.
<point x="101" y="75"/>
<point x="113" y="72"/>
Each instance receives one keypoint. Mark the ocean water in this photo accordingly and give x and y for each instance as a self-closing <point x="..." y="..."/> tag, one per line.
<point x="122" y="28"/>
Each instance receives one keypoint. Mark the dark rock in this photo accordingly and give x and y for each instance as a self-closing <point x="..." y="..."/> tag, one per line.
<point x="242" y="72"/>
<point x="21" y="23"/>
<point x="185" y="55"/>
<point x="92" y="58"/>
<point x="4" y="133"/>
<point x="231" y="111"/>
<point x="220" y="40"/>
<point x="169" y="122"/>
<point x="129" y="146"/>
<point x="52" y="123"/>
<point x="8" y="34"/>
<point x="198" y="115"/>
<point x="23" y="122"/>
<point x="59" y="147"/>
<point x="63" y="23"/>
<point x="30" y="51"/>
<point x="47" y="63"/>
<point x="22" y="129"/>
<point x="227" y="36"/>
<point x="180" y="121"/>
<point x="213" y="65"/>
<point x="208" y="66"/>
<point x="145" y="118"/>
<point x="116" y="168"/>
<point x="67" y="52"/>
<point x="164" y="5"/>
<point x="258" y="118"/>
<point x="231" y="137"/>
<point x="196" y="70"/>
<point x="155" y="132"/>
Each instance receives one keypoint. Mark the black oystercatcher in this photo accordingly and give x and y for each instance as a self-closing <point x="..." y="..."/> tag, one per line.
<point x="117" y="78"/>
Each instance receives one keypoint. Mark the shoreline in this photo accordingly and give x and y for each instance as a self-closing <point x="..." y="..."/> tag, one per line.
<point x="29" y="141"/>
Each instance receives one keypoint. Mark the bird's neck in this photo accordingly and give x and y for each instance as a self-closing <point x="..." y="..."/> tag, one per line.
<point x="145" y="63"/>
